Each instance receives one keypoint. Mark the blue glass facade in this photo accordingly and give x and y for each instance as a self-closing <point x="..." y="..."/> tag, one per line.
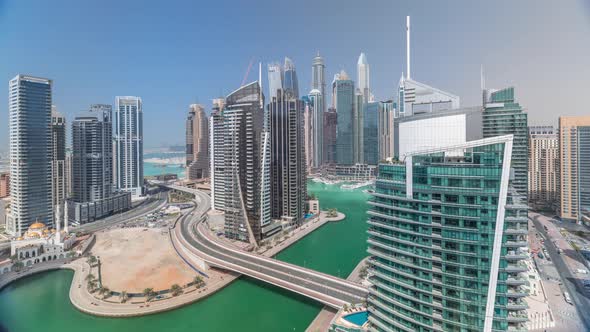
<point x="371" y="133"/>
<point x="344" y="100"/>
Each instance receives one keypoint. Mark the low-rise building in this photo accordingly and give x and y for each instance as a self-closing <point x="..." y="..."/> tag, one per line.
<point x="84" y="212"/>
<point x="4" y="185"/>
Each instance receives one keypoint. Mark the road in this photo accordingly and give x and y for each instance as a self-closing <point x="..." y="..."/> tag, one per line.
<point x="149" y="205"/>
<point x="322" y="287"/>
<point x="574" y="288"/>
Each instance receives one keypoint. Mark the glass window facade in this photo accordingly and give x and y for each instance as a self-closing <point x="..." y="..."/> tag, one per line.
<point x="431" y="250"/>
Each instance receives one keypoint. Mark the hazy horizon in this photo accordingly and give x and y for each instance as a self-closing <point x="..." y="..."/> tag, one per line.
<point x="176" y="53"/>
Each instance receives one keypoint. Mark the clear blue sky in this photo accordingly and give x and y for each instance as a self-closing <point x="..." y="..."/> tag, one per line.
<point x="174" y="53"/>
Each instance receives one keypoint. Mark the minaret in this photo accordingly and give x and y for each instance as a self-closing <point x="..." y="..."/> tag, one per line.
<point x="66" y="216"/>
<point x="57" y="225"/>
<point x="408" y="46"/>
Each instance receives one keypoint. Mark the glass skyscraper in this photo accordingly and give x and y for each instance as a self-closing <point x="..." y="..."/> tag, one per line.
<point x="344" y="101"/>
<point x="371" y="133"/>
<point x="502" y="115"/>
<point x="129" y="144"/>
<point x="446" y="234"/>
<point x="29" y="108"/>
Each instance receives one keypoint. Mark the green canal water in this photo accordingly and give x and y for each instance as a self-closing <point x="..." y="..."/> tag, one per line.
<point x="41" y="303"/>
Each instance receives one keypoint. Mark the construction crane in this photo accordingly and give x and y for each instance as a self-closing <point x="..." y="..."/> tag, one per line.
<point x="247" y="71"/>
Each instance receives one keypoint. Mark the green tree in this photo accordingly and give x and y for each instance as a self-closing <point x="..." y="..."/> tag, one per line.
<point x="176" y="290"/>
<point x="90" y="276"/>
<point x="149" y="294"/>
<point x="123" y="296"/>
<point x="198" y="281"/>
<point x="18" y="265"/>
<point x="92" y="260"/>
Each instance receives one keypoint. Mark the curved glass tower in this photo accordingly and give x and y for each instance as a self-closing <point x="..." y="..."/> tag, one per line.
<point x="445" y="238"/>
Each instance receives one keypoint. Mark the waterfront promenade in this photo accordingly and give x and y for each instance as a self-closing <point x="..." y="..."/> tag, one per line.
<point x="322" y="321"/>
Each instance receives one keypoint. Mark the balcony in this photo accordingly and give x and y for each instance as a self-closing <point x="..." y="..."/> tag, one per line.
<point x="516" y="305"/>
<point x="516" y="267"/>
<point x="515" y="317"/>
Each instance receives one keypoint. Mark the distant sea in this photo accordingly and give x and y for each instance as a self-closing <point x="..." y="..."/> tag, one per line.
<point x="151" y="169"/>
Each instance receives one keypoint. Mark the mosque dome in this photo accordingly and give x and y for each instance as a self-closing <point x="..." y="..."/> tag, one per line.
<point x="37" y="225"/>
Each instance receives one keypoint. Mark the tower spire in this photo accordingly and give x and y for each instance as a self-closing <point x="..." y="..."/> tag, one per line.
<point x="408" y="46"/>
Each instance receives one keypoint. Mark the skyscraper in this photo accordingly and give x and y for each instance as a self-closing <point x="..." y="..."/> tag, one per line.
<point x="245" y="156"/>
<point x="291" y="84"/>
<point x="543" y="167"/>
<point x="386" y="134"/>
<point x="329" y="135"/>
<point x="129" y="144"/>
<point x="29" y="100"/>
<point x="363" y="76"/>
<point x="574" y="151"/>
<point x="343" y="95"/>
<point x="58" y="157"/>
<point x="92" y="173"/>
<point x="415" y="97"/>
<point x="92" y="154"/>
<point x="197" y="143"/>
<point x="275" y="79"/>
<point x="288" y="173"/>
<point x="358" y="127"/>
<point x="318" y="81"/>
<point x="316" y="99"/>
<point x="371" y="133"/>
<point x="307" y="129"/>
<point x="502" y="115"/>
<point x="445" y="237"/>
<point x="217" y="155"/>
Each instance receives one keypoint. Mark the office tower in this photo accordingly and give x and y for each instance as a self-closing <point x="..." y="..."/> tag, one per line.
<point x="447" y="239"/>
<point x="386" y="134"/>
<point x="129" y="144"/>
<point x="415" y="97"/>
<point x="329" y="135"/>
<point x="245" y="155"/>
<point x="287" y="157"/>
<point x="58" y="157"/>
<point x="371" y="133"/>
<point x="92" y="158"/>
<point x="68" y="167"/>
<point x="217" y="155"/>
<point x="574" y="151"/>
<point x="543" y="167"/>
<point x="343" y="95"/>
<point x="197" y="143"/>
<point x="316" y="99"/>
<point x="363" y="77"/>
<point x="358" y="113"/>
<point x="291" y="84"/>
<point x="436" y="129"/>
<point x="4" y="185"/>
<point x="307" y="129"/>
<point x="318" y="81"/>
<point x="275" y="79"/>
<point x="29" y="100"/>
<point x="502" y="115"/>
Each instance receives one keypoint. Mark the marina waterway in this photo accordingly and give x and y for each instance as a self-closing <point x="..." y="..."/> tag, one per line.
<point x="41" y="303"/>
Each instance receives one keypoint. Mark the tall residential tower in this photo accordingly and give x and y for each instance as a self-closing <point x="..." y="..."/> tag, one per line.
<point x="197" y="143"/>
<point x="129" y="144"/>
<point x="29" y="100"/>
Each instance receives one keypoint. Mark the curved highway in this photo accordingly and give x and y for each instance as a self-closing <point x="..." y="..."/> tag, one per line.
<point x="194" y="236"/>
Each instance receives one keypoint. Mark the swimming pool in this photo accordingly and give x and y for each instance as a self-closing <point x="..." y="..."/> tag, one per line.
<point x="357" y="318"/>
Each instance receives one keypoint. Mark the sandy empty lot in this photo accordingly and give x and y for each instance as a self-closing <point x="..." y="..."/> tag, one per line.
<point x="137" y="258"/>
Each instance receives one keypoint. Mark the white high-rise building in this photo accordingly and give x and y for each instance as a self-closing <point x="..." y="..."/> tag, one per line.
<point x="363" y="76"/>
<point x="415" y="97"/>
<point x="29" y="100"/>
<point x="129" y="144"/>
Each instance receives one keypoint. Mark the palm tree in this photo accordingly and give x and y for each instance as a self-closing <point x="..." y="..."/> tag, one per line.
<point x="123" y="296"/>
<point x="198" y="281"/>
<point x="105" y="292"/>
<point x="92" y="260"/>
<point x="18" y="265"/>
<point x="90" y="276"/>
<point x="148" y="293"/>
<point x="176" y="289"/>
<point x="91" y="284"/>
